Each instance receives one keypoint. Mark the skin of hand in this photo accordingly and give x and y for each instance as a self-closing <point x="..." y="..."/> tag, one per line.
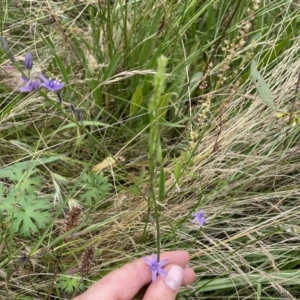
<point x="126" y="282"/>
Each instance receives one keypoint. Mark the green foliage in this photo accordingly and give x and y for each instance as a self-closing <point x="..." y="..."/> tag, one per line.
<point x="261" y="86"/>
<point x="240" y="167"/>
<point x="162" y="182"/>
<point x="155" y="150"/>
<point x="153" y="106"/>
<point x="70" y="283"/>
<point x="95" y="188"/>
<point x="26" y="182"/>
<point x="20" y="206"/>
<point x="147" y="47"/>
<point x="110" y="70"/>
<point x="163" y="107"/>
<point x="136" y="101"/>
<point x="27" y="214"/>
<point x="10" y="171"/>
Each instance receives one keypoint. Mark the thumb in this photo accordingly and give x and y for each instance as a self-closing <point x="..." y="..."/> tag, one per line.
<point x="166" y="287"/>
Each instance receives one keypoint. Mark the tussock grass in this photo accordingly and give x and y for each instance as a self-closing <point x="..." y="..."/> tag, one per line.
<point x="223" y="149"/>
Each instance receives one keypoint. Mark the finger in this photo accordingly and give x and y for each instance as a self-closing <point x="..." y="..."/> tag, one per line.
<point x="125" y="282"/>
<point x="166" y="287"/>
<point x="189" y="276"/>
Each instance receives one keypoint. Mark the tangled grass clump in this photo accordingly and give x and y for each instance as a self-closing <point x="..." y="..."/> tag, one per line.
<point x="167" y="108"/>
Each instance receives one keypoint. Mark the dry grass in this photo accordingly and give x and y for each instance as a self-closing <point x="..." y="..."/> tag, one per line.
<point x="243" y="173"/>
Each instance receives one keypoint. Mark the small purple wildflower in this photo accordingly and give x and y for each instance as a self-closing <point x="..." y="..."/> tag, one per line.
<point x="28" y="61"/>
<point x="199" y="217"/>
<point x="156" y="267"/>
<point x="51" y="84"/>
<point x="30" y="85"/>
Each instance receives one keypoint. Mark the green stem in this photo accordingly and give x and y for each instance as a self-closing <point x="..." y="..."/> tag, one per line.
<point x="155" y="153"/>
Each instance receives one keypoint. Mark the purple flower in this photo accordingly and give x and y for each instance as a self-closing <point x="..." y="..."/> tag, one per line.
<point x="156" y="267"/>
<point x="51" y="84"/>
<point x="28" y="61"/>
<point x="30" y="85"/>
<point x="199" y="217"/>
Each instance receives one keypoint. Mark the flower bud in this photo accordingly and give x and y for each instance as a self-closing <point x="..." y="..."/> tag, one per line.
<point x="28" y="61"/>
<point x="4" y="43"/>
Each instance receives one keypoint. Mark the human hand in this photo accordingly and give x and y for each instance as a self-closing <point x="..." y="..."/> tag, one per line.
<point x="126" y="282"/>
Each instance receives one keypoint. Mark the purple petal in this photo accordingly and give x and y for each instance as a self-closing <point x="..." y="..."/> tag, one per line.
<point x="53" y="86"/>
<point x="147" y="261"/>
<point x="25" y="78"/>
<point x="199" y="217"/>
<point x="162" y="272"/>
<point x="44" y="78"/>
<point x="153" y="276"/>
<point x="163" y="262"/>
<point x="35" y="84"/>
<point x="30" y="86"/>
<point x="200" y="221"/>
<point x="58" y="86"/>
<point x="156" y="267"/>
<point x="25" y="89"/>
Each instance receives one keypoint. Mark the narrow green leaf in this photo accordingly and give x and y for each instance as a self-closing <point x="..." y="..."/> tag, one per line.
<point x="58" y="59"/>
<point x="291" y="28"/>
<point x="94" y="47"/>
<point x="83" y="123"/>
<point x="261" y="86"/>
<point x="112" y="66"/>
<point x="168" y="124"/>
<point x="77" y="43"/>
<point x="6" y="111"/>
<point x="91" y="79"/>
<point x="150" y="38"/>
<point x="163" y="107"/>
<point x="259" y="290"/>
<point x="107" y="74"/>
<point x="161" y="190"/>
<point x="136" y="101"/>
<point x="195" y="80"/>
<point x="286" y="277"/>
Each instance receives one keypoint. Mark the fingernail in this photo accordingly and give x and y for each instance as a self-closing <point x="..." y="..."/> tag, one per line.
<point x="174" y="278"/>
